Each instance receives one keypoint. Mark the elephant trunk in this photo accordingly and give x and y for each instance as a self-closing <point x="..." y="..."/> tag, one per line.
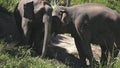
<point x="47" y="32"/>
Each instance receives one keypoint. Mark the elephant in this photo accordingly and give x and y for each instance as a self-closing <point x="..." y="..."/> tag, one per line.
<point x="8" y="30"/>
<point x="89" y="23"/>
<point x="33" y="18"/>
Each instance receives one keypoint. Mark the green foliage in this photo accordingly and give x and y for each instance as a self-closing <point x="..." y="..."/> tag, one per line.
<point x="117" y="64"/>
<point x="22" y="59"/>
<point x="114" y="4"/>
<point x="9" y="4"/>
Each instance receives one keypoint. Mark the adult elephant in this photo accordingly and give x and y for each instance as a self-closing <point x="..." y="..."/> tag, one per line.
<point x="33" y="18"/>
<point x="89" y="23"/>
<point x="8" y="30"/>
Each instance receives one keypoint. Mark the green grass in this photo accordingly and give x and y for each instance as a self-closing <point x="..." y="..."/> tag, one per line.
<point x="20" y="58"/>
<point x="117" y="65"/>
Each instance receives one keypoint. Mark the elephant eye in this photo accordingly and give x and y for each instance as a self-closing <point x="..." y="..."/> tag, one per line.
<point x="61" y="13"/>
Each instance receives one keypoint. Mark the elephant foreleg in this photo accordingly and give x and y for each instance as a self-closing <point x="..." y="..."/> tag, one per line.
<point x="29" y="36"/>
<point x="117" y="44"/>
<point x="88" y="53"/>
<point x="26" y="30"/>
<point x="38" y="42"/>
<point x="104" y="55"/>
<point x="84" y="34"/>
<point x="81" y="52"/>
<point x="107" y="45"/>
<point x="113" y="50"/>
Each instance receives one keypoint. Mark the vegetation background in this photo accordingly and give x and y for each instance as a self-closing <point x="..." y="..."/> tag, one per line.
<point x="22" y="58"/>
<point x="114" y="4"/>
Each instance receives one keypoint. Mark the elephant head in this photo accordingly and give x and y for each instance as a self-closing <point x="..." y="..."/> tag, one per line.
<point x="63" y="14"/>
<point x="36" y="15"/>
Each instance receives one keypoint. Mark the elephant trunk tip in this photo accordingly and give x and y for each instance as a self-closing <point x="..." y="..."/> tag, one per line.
<point x="43" y="54"/>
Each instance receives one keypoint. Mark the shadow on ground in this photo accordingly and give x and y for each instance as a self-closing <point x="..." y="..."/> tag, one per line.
<point x="61" y="54"/>
<point x="55" y="52"/>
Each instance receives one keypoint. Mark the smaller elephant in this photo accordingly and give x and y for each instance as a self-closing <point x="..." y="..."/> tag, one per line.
<point x="89" y="23"/>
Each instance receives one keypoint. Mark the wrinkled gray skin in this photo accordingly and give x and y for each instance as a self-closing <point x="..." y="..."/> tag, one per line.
<point x="8" y="29"/>
<point x="90" y="23"/>
<point x="33" y="18"/>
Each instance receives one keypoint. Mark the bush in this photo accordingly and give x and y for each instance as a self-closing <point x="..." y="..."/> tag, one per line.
<point x="9" y="4"/>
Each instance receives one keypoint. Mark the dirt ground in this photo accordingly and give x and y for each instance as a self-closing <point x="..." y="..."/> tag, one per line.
<point x="63" y="49"/>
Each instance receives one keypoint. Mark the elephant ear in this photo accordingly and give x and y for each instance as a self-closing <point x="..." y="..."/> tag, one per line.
<point x="29" y="10"/>
<point x="65" y="17"/>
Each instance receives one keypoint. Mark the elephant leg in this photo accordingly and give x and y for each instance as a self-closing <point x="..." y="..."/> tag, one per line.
<point x="26" y="30"/>
<point x="104" y="55"/>
<point x="84" y="34"/>
<point x="88" y="53"/>
<point x="38" y="42"/>
<point x="108" y="45"/>
<point x="29" y="36"/>
<point x="117" y="44"/>
<point x="81" y="52"/>
<point x="112" y="47"/>
<point x="117" y="38"/>
<point x="113" y="53"/>
<point x="85" y="51"/>
<point x="79" y="45"/>
<point x="18" y="19"/>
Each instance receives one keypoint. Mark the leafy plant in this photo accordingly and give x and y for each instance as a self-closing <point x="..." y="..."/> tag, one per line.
<point x="9" y="4"/>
